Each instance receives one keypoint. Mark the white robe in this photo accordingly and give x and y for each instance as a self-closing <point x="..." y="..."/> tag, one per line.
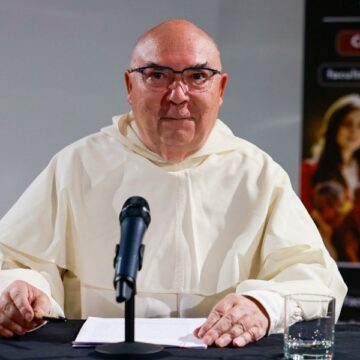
<point x="225" y="219"/>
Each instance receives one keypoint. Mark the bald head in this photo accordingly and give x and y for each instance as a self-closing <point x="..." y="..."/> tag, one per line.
<point x="174" y="37"/>
<point x="175" y="120"/>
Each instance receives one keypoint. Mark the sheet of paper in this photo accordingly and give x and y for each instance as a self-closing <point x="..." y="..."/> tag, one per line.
<point x="163" y="331"/>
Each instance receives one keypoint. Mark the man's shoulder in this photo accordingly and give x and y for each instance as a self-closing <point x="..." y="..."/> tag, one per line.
<point x="100" y="142"/>
<point x="249" y="156"/>
<point x="237" y="143"/>
<point x="94" y="151"/>
<point x="252" y="153"/>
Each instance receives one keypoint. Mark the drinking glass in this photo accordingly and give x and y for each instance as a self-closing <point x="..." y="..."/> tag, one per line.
<point x="313" y="337"/>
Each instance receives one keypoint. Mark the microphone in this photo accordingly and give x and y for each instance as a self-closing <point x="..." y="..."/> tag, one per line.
<point x="134" y="220"/>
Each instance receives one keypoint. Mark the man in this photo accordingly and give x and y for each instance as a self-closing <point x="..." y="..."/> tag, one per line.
<point x="228" y="237"/>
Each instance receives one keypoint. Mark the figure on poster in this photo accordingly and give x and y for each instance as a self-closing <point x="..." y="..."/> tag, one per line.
<point x="339" y="156"/>
<point x="328" y="212"/>
<point x="346" y="238"/>
<point x="336" y="160"/>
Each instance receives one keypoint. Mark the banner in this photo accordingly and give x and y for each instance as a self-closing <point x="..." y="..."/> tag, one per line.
<point x="330" y="168"/>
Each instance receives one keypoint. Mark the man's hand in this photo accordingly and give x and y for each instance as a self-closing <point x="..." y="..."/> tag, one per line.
<point x="235" y="319"/>
<point x="18" y="304"/>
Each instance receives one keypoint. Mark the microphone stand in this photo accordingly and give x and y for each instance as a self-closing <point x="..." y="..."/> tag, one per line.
<point x="129" y="347"/>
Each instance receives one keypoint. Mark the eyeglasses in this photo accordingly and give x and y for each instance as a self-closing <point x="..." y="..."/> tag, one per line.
<point x="159" y="78"/>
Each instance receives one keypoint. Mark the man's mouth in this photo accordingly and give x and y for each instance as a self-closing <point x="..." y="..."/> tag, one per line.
<point x="176" y="118"/>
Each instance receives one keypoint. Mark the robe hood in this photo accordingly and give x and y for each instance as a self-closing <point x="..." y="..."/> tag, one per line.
<point x="220" y="140"/>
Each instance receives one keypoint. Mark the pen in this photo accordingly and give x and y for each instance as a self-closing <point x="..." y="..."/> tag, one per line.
<point x="52" y="318"/>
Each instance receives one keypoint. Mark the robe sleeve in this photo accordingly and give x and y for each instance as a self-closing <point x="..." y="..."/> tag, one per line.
<point x="293" y="258"/>
<point x="33" y="238"/>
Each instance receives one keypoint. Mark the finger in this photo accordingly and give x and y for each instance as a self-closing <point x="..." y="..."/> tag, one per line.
<point x="213" y="317"/>
<point x="19" y="296"/>
<point x="217" y="312"/>
<point x="242" y="340"/>
<point x="222" y="326"/>
<point x="223" y="340"/>
<point x="8" y="307"/>
<point x="5" y="332"/>
<point x="255" y="324"/>
<point x="247" y="337"/>
<point x="226" y="322"/>
<point x="41" y="305"/>
<point x="11" y="325"/>
<point x="260" y="315"/>
<point x="237" y="330"/>
<point x="9" y="310"/>
<point x="196" y="332"/>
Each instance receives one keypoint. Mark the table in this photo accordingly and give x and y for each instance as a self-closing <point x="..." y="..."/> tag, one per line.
<point x="53" y="341"/>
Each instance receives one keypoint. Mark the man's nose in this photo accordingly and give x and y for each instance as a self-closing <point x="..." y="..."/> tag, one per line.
<point x="178" y="92"/>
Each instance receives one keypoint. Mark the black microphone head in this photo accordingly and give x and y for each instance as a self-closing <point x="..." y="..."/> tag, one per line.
<point x="136" y="206"/>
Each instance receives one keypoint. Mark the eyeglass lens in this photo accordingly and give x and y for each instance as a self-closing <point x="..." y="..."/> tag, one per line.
<point x="195" y="79"/>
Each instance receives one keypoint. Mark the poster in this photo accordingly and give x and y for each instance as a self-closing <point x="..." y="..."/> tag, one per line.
<point x="330" y="166"/>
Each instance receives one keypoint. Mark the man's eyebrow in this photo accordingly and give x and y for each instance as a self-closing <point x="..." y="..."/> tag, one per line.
<point x="153" y="64"/>
<point x="205" y="64"/>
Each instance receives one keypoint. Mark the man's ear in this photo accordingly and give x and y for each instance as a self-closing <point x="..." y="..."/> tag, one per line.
<point x="223" y="83"/>
<point x="128" y="86"/>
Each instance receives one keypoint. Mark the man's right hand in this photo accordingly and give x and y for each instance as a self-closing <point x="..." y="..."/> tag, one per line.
<point x="19" y="303"/>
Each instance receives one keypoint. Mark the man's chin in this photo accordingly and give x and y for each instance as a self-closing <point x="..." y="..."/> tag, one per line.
<point x="177" y="123"/>
<point x="176" y="149"/>
<point x="179" y="140"/>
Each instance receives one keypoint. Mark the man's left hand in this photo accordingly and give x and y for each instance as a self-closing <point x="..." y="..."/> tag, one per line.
<point x="237" y="320"/>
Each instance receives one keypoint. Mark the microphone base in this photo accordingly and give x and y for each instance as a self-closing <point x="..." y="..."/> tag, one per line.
<point x="128" y="349"/>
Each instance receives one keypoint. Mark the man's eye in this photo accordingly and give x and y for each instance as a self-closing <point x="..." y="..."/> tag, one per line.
<point x="198" y="76"/>
<point x="156" y="75"/>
